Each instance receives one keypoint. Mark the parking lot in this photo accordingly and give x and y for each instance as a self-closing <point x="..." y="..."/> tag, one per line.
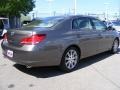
<point x="100" y="72"/>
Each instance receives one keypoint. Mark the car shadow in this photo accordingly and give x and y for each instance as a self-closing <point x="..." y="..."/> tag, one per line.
<point x="47" y="72"/>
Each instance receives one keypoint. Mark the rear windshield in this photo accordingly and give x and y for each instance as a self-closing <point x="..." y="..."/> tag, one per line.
<point x="46" y="22"/>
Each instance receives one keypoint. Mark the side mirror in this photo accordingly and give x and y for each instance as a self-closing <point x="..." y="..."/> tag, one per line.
<point x="110" y="28"/>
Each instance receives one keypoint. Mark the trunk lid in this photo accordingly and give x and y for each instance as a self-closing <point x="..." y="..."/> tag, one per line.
<point x="14" y="37"/>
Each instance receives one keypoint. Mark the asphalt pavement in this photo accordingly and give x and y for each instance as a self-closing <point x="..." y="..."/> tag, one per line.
<point x="99" y="72"/>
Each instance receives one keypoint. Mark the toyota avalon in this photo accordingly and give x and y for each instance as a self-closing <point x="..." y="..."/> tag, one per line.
<point x="59" y="41"/>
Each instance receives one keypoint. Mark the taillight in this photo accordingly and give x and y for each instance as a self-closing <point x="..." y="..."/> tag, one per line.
<point x="34" y="39"/>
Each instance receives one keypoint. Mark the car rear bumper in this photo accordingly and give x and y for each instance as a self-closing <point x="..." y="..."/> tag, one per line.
<point x="34" y="58"/>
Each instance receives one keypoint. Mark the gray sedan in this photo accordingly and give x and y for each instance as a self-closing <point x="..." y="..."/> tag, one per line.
<point x="60" y="41"/>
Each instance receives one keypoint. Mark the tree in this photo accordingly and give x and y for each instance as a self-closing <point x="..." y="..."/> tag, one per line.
<point x="14" y="8"/>
<point x="4" y="7"/>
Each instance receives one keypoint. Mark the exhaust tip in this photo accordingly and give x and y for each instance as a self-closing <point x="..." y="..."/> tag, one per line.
<point x="28" y="66"/>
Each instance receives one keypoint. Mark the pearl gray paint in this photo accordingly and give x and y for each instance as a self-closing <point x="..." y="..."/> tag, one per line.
<point x="58" y="39"/>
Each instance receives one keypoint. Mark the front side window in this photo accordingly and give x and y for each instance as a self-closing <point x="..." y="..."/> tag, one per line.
<point x="99" y="25"/>
<point x="81" y="23"/>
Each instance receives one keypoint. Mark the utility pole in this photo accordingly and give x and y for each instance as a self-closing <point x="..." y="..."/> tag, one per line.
<point x="106" y="10"/>
<point x="50" y="6"/>
<point x="33" y="15"/>
<point x="75" y="6"/>
<point x="119" y="10"/>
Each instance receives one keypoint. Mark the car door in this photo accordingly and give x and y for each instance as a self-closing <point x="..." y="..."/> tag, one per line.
<point x="105" y="35"/>
<point x="86" y="36"/>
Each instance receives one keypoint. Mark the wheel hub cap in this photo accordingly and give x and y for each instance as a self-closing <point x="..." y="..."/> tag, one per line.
<point x="71" y="59"/>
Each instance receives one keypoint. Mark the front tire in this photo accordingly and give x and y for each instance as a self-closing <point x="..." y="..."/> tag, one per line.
<point x="70" y="59"/>
<point x="115" y="46"/>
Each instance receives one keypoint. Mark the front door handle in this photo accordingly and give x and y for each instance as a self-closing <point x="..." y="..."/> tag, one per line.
<point x="78" y="35"/>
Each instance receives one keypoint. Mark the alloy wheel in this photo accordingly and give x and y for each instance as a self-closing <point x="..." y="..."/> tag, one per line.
<point x="70" y="59"/>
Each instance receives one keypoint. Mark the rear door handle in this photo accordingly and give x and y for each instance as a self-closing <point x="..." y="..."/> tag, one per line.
<point x="100" y="36"/>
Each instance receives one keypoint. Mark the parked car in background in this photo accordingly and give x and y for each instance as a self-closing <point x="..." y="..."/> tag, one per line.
<point x="25" y="22"/>
<point x="4" y="25"/>
<point x="60" y="41"/>
<point x="115" y="25"/>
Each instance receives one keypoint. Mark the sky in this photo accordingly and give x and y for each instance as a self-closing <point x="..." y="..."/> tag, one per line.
<point x="44" y="7"/>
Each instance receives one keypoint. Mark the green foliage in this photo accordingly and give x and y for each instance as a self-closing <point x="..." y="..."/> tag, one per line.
<point x="16" y="7"/>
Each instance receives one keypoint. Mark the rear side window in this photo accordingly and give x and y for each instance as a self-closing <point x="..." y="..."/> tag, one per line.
<point x="81" y="23"/>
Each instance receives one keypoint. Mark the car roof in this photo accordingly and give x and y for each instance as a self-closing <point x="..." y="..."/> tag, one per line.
<point x="66" y="17"/>
<point x="84" y="16"/>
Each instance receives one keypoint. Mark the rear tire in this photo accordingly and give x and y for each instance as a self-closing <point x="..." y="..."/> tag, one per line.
<point x="70" y="59"/>
<point x="115" y="46"/>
